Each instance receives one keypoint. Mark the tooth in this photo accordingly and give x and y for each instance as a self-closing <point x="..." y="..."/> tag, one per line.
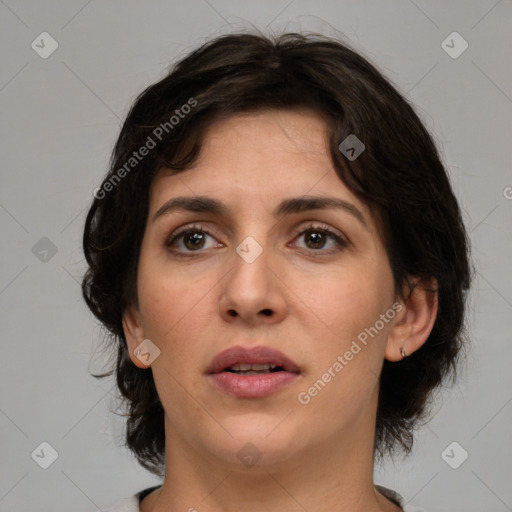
<point x="247" y="367"/>
<point x="257" y="367"/>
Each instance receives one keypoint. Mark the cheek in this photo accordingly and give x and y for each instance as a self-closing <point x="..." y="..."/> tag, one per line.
<point x="344" y="371"/>
<point x="345" y="368"/>
<point x="353" y="300"/>
<point x="176" y="314"/>
<point x="171" y="306"/>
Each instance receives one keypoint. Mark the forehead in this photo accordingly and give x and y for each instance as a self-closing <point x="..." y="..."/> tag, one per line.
<point x="299" y="130"/>
<point x="256" y="159"/>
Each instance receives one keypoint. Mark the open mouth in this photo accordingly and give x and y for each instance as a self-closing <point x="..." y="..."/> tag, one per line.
<point x="252" y="372"/>
<point x="253" y="369"/>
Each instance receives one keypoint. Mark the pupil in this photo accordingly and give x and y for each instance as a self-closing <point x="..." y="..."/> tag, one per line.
<point x="196" y="239"/>
<point x="318" y="237"/>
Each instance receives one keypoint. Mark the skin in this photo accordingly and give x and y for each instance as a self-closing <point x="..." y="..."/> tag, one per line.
<point x="317" y="456"/>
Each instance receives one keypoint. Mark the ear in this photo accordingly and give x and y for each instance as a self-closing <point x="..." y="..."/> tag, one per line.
<point x="134" y="333"/>
<point x="414" y="321"/>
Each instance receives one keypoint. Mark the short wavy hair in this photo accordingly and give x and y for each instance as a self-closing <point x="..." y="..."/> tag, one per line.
<point x="399" y="175"/>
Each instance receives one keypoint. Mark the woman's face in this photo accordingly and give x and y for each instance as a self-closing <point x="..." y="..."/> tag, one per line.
<point x="258" y="280"/>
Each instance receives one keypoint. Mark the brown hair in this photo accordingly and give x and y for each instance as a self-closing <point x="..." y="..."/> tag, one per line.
<point x="399" y="174"/>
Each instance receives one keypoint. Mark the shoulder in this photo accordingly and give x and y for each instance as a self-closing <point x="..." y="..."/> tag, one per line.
<point x="398" y="499"/>
<point x="132" y="503"/>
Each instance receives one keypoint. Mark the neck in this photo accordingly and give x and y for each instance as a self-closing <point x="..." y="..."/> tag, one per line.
<point x="334" y="475"/>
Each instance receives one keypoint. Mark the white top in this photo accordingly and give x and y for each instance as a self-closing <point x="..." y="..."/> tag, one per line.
<point x="131" y="504"/>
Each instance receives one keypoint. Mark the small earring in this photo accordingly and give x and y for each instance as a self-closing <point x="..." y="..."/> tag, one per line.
<point x="402" y="353"/>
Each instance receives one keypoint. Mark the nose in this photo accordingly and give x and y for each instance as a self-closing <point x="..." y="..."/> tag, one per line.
<point x="253" y="290"/>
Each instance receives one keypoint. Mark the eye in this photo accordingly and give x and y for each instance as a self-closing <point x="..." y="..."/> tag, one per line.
<point x="192" y="238"/>
<point x="317" y="235"/>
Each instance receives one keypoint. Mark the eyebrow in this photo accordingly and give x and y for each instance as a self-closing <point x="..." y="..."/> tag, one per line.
<point x="205" y="204"/>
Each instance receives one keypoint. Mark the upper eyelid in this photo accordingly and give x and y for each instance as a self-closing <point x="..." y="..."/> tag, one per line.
<point x="205" y="226"/>
<point x="300" y="229"/>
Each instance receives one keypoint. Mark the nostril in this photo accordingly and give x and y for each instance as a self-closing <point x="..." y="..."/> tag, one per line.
<point x="232" y="312"/>
<point x="267" y="312"/>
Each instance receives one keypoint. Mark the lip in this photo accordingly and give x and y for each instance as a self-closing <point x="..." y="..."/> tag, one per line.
<point x="251" y="386"/>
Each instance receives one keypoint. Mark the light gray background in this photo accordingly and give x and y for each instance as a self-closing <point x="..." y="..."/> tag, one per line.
<point x="60" y="118"/>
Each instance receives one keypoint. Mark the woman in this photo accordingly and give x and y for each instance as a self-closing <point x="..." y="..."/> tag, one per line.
<point x="282" y="263"/>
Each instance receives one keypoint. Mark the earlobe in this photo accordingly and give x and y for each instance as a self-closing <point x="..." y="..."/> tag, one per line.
<point x="134" y="333"/>
<point x="415" y="322"/>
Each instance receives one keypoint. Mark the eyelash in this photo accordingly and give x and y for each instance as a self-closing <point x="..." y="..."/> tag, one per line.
<point x="316" y="228"/>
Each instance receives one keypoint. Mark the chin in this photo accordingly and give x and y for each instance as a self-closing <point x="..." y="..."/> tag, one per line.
<point x="257" y="440"/>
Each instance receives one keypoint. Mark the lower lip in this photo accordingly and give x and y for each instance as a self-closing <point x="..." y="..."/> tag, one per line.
<point x="252" y="386"/>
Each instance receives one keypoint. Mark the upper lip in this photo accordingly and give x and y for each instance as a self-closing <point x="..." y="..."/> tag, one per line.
<point x="251" y="355"/>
